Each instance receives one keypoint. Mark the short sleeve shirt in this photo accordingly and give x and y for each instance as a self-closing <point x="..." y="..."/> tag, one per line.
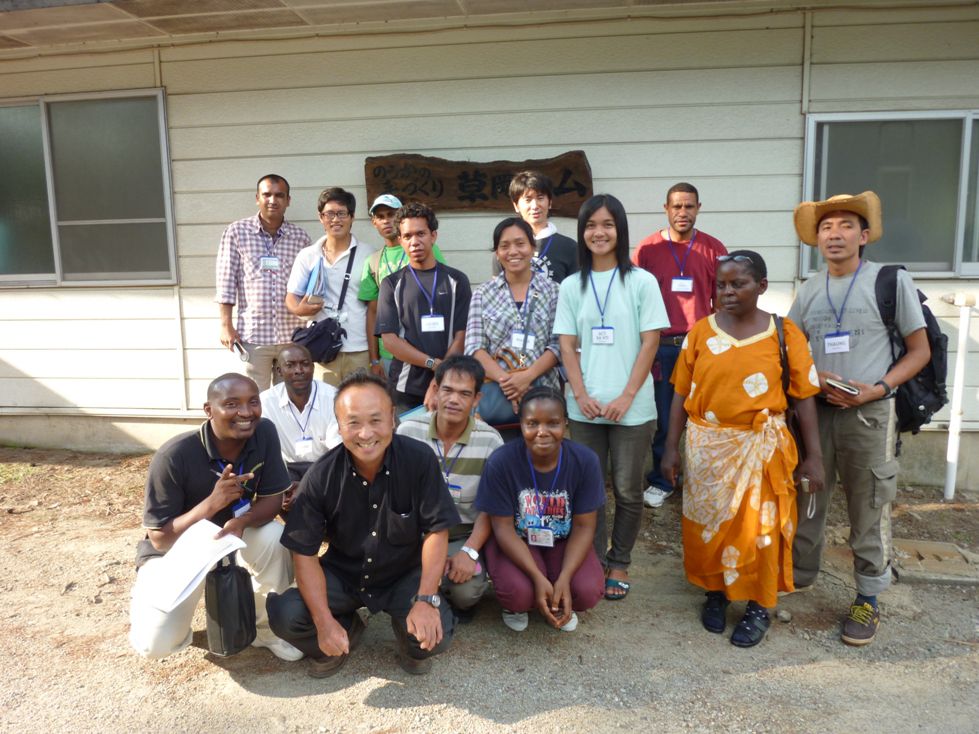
<point x="869" y="356"/>
<point x="633" y="306"/>
<point x="374" y="528"/>
<point x="507" y="487"/>
<point x="404" y="300"/>
<point x="184" y="470"/>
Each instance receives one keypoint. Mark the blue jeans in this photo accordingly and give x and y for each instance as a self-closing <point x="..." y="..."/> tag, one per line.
<point x="666" y="357"/>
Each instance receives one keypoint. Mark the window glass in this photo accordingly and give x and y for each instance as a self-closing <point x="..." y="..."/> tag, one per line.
<point x="114" y="251"/>
<point x="970" y="253"/>
<point x="914" y="166"/>
<point x="25" y="223"/>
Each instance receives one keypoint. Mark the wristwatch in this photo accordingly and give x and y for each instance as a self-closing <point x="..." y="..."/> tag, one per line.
<point x="375" y="362"/>
<point x="430" y="363"/>
<point x="471" y="552"/>
<point x="434" y="599"/>
<point x="888" y="390"/>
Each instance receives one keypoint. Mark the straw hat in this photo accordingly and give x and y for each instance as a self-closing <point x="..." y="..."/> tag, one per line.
<point x="808" y="214"/>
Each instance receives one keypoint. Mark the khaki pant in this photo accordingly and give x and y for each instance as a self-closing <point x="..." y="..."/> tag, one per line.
<point x="261" y="364"/>
<point x="857" y="443"/>
<point x="346" y="363"/>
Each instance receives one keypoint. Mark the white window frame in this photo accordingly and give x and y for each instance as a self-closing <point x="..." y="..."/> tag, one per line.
<point x="44" y="280"/>
<point x="960" y="269"/>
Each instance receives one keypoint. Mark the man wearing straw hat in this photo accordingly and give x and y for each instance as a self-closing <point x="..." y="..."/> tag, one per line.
<point x="837" y="309"/>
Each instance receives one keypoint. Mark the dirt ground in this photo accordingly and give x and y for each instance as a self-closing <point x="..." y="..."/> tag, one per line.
<point x="69" y="523"/>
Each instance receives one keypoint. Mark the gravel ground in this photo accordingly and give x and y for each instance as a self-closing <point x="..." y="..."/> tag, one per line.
<point x="67" y="534"/>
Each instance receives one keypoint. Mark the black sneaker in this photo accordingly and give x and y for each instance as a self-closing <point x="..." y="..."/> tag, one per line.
<point x="860" y="625"/>
<point x="713" y="615"/>
<point x="753" y="626"/>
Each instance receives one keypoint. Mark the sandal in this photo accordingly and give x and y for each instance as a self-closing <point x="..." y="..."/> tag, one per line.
<point x="713" y="615"/>
<point x="618" y="585"/>
<point x="752" y="627"/>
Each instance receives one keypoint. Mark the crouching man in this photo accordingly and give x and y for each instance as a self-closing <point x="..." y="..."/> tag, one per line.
<point x="203" y="474"/>
<point x="382" y="504"/>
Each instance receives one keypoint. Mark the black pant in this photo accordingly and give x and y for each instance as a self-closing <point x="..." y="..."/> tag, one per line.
<point x="291" y="621"/>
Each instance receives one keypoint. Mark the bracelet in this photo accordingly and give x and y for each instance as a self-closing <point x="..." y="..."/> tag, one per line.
<point x="888" y="390"/>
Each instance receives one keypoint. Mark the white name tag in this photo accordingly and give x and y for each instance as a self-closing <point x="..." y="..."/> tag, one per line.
<point x="837" y="342"/>
<point x="517" y="341"/>
<point x="433" y="322"/>
<point x="270" y="262"/>
<point x="241" y="507"/>
<point x="683" y="285"/>
<point x="304" y="447"/>
<point x="602" y="335"/>
<point x="543" y="537"/>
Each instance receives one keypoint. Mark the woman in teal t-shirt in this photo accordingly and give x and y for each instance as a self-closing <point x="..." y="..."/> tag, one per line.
<point x="608" y="322"/>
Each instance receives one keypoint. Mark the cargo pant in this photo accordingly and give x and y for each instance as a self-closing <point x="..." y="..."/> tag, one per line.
<point x="857" y="443"/>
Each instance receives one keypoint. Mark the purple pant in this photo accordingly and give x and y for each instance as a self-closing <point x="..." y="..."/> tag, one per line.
<point x="515" y="590"/>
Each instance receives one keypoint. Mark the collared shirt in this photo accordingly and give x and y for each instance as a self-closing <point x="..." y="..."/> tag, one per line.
<point x="316" y="423"/>
<point x="463" y="465"/>
<point x="259" y="294"/>
<point x="684" y="308"/>
<point x="493" y="318"/>
<point x="183" y="473"/>
<point x="353" y="314"/>
<point x="374" y="529"/>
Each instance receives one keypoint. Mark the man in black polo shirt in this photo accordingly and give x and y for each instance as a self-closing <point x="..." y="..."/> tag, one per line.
<point x="421" y="310"/>
<point x="381" y="503"/>
<point x="230" y="472"/>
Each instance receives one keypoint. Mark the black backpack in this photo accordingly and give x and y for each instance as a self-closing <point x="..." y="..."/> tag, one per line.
<point x="918" y="399"/>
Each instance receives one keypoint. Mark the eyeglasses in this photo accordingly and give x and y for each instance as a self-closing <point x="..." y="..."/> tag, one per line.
<point x="330" y="216"/>
<point x="734" y="258"/>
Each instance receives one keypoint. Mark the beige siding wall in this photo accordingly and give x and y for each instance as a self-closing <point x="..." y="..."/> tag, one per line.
<point x="716" y="101"/>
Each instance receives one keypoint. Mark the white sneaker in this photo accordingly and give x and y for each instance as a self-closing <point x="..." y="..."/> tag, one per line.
<point x="655" y="497"/>
<point x="517" y="621"/>
<point x="279" y="647"/>
<point x="572" y="624"/>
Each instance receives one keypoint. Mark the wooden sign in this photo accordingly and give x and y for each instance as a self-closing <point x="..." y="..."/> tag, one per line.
<point x="471" y="186"/>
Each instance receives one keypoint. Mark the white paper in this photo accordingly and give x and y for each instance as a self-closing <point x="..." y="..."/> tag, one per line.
<point x="187" y="562"/>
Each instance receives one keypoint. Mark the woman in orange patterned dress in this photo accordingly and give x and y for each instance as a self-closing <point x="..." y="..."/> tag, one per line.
<point x="739" y="497"/>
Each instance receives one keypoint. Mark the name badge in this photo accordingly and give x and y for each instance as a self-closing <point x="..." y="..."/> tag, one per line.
<point x="433" y="322"/>
<point x="455" y="491"/>
<point x="303" y="446"/>
<point x="270" y="263"/>
<point x="837" y="342"/>
<point x="602" y="335"/>
<point x="543" y="537"/>
<point x="240" y="507"/>
<point x="683" y="284"/>
<point x="517" y="340"/>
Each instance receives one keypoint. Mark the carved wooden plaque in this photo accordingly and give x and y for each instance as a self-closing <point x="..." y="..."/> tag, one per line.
<point x="473" y="186"/>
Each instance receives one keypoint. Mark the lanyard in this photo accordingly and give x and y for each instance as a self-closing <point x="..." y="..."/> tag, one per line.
<point x="682" y="266"/>
<point x="547" y="246"/>
<point x="602" y="306"/>
<point x="538" y="503"/>
<point x="839" y="316"/>
<point x="435" y="280"/>
<point x="292" y="411"/>
<point x="442" y="459"/>
<point x="526" y="308"/>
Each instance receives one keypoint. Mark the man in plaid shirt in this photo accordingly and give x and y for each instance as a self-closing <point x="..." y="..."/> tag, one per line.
<point x="254" y="261"/>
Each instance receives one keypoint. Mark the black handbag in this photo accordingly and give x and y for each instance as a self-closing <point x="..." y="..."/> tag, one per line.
<point x="324" y="338"/>
<point x="230" y="603"/>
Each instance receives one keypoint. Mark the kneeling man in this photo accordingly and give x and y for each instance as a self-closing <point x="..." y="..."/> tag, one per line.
<point x="462" y="444"/>
<point x="204" y="474"/>
<point x="381" y="503"/>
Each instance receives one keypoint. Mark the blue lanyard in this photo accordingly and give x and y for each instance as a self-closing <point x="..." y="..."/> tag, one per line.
<point x="547" y="246"/>
<point x="538" y="503"/>
<point x="435" y="280"/>
<point x="292" y="411"/>
<point x="447" y="470"/>
<point x="839" y="316"/>
<point x="525" y="307"/>
<point x="682" y="266"/>
<point x="602" y="306"/>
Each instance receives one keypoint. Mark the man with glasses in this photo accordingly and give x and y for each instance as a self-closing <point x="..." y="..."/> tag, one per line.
<point x="684" y="262"/>
<point x="254" y="260"/>
<point x="462" y="444"/>
<point x="316" y="285"/>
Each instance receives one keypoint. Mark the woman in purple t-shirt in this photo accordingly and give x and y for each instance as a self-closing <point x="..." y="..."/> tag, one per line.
<point x="543" y="495"/>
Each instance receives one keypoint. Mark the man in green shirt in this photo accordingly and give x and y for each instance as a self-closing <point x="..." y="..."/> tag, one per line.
<point x="388" y="260"/>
